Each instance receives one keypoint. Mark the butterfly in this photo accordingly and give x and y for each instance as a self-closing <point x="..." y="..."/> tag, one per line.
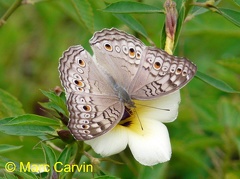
<point x="101" y="87"/>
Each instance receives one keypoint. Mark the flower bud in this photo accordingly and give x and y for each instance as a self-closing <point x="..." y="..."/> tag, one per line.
<point x="65" y="136"/>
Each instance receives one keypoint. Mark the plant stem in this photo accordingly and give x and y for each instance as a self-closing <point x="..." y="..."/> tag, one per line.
<point x="77" y="158"/>
<point x="9" y="12"/>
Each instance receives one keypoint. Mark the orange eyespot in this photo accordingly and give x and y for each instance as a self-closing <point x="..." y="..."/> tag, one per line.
<point x="179" y="70"/>
<point x="157" y="65"/>
<point x="79" y="83"/>
<point x="84" y="126"/>
<point x="81" y="62"/>
<point x="87" y="108"/>
<point x="131" y="52"/>
<point x="108" y="47"/>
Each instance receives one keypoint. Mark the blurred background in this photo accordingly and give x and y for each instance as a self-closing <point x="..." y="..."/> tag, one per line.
<point x="206" y="136"/>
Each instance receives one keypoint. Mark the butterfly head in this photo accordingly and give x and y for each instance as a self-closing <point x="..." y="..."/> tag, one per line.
<point x="129" y="103"/>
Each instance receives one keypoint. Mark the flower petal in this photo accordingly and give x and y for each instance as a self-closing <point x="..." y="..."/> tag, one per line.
<point x="110" y="143"/>
<point x="152" y="146"/>
<point x="154" y="109"/>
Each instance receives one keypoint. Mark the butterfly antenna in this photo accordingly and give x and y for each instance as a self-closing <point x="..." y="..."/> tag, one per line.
<point x="135" y="111"/>
<point x="164" y="109"/>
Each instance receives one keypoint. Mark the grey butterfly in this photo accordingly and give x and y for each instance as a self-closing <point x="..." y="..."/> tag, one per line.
<point x="100" y="88"/>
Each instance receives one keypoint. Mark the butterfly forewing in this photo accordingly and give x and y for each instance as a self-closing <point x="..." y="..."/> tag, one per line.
<point x="78" y="72"/>
<point x="89" y="95"/>
<point x="160" y="74"/>
<point x="119" y="53"/>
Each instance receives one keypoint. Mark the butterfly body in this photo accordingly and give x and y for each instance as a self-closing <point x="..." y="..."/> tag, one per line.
<point x="123" y="69"/>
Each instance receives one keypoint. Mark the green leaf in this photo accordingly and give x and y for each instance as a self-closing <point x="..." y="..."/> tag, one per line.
<point x="31" y="119"/>
<point x="66" y="154"/>
<point x="163" y="37"/>
<point x="237" y="2"/>
<point x="197" y="10"/>
<point x="57" y="103"/>
<point x="3" y="161"/>
<point x="10" y="106"/>
<point x="9" y="175"/>
<point x="8" y="148"/>
<point x="28" y="125"/>
<point x="180" y="21"/>
<point x="65" y="158"/>
<point x="17" y="173"/>
<point x="85" y="12"/>
<point x="231" y="15"/>
<point x="131" y="7"/>
<point x="27" y="130"/>
<point x="50" y="157"/>
<point x="132" y="23"/>
<point x="27" y="175"/>
<point x="215" y="83"/>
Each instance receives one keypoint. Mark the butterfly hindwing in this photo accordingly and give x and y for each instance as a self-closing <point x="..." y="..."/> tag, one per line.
<point x="92" y="115"/>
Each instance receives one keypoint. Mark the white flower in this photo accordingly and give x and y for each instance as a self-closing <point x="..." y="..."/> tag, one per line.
<point x="144" y="133"/>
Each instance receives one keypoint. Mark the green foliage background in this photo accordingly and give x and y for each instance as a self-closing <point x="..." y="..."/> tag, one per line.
<point x="206" y="136"/>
